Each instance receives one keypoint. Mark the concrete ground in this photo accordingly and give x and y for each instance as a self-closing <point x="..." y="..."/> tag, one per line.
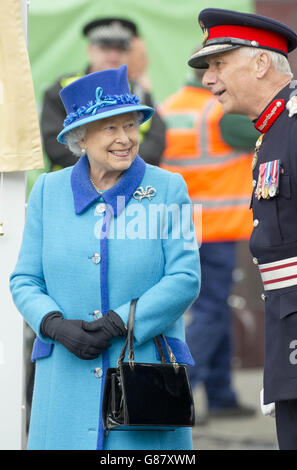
<point x="253" y="433"/>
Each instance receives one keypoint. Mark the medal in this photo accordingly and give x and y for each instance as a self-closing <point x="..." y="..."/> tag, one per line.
<point x="258" y="189"/>
<point x="261" y="182"/>
<point x="265" y="192"/>
<point x="254" y="160"/>
<point x="272" y="190"/>
<point x="258" y="193"/>
<point x="274" y="179"/>
<point x="268" y="179"/>
<point x="259" y="142"/>
<point x="255" y="156"/>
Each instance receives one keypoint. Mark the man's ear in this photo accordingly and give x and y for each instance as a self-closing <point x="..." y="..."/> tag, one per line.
<point x="262" y="64"/>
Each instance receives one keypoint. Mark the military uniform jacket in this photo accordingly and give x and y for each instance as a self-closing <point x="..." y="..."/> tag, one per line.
<point x="273" y="243"/>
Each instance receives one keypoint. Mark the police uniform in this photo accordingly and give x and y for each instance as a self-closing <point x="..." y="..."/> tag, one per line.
<point x="273" y="242"/>
<point x="105" y="31"/>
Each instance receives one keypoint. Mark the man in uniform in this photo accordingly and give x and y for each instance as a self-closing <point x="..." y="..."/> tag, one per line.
<point x="245" y="57"/>
<point x="109" y="41"/>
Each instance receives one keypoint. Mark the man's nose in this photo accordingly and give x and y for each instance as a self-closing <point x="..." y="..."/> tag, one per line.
<point x="209" y="78"/>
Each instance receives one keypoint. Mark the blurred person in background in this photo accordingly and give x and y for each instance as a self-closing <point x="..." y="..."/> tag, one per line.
<point x="245" y="57"/>
<point x="212" y="151"/>
<point x="109" y="46"/>
<point x="138" y="62"/>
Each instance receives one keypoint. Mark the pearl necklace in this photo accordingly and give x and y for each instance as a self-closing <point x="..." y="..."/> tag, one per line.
<point x="99" y="191"/>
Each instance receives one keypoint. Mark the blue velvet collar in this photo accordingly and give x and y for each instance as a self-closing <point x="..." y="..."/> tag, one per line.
<point x="85" y="194"/>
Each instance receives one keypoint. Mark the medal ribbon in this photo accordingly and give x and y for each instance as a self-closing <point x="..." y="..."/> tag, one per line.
<point x="268" y="174"/>
<point x="260" y="183"/>
<point x="276" y="172"/>
<point x="262" y="173"/>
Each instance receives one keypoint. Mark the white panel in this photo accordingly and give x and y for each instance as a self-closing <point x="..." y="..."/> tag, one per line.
<point x="11" y="323"/>
<point x="12" y="363"/>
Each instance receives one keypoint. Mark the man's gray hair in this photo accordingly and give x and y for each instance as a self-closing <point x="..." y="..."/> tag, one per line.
<point x="279" y="61"/>
<point x="73" y="137"/>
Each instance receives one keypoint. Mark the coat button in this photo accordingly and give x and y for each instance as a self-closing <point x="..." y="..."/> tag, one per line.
<point x="100" y="208"/>
<point x="98" y="372"/>
<point x="97" y="314"/>
<point x="256" y="222"/>
<point x="254" y="183"/>
<point x="263" y="297"/>
<point x="96" y="258"/>
<point x="255" y="261"/>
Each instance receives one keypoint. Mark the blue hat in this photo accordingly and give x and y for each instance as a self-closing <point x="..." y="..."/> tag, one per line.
<point x="225" y="30"/>
<point x="97" y="96"/>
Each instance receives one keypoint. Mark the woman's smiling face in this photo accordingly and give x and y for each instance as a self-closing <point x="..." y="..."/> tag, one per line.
<point x="112" y="143"/>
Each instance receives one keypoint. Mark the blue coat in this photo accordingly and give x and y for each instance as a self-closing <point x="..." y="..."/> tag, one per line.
<point x="68" y="264"/>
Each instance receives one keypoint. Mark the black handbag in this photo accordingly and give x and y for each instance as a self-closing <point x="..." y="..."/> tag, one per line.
<point x="146" y="396"/>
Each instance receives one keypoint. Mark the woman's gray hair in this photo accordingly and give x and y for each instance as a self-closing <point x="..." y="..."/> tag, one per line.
<point x="279" y="61"/>
<point x="73" y="137"/>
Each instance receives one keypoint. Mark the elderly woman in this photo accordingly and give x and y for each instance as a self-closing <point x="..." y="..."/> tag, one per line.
<point x="97" y="235"/>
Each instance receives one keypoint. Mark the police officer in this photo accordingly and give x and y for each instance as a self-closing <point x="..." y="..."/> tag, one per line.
<point x="245" y="57"/>
<point x="109" y="41"/>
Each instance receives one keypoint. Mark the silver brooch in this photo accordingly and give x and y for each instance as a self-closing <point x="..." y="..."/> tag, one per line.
<point x="292" y="106"/>
<point x="148" y="192"/>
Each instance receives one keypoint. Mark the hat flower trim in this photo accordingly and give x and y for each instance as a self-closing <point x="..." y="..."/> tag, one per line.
<point x="101" y="101"/>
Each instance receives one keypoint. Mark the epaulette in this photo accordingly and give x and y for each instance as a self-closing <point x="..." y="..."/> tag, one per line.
<point x="271" y="113"/>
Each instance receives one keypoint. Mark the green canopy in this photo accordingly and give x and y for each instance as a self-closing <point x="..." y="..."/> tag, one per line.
<point x="170" y="29"/>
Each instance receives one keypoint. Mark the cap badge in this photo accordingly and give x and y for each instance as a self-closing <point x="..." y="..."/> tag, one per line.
<point x="205" y="32"/>
<point x="292" y="106"/>
<point x="205" y="36"/>
<point x="148" y="192"/>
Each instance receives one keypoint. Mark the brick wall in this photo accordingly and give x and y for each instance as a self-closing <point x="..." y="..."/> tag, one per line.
<point x="284" y="11"/>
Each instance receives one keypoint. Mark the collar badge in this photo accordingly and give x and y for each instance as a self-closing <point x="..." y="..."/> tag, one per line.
<point x="292" y="106"/>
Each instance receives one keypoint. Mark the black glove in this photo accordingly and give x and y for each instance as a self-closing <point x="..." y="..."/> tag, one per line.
<point x="87" y="340"/>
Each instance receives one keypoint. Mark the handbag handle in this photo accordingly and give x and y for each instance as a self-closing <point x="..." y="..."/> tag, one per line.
<point x="130" y="333"/>
<point x="130" y="341"/>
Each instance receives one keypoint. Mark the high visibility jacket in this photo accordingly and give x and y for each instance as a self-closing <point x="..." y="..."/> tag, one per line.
<point x="218" y="176"/>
